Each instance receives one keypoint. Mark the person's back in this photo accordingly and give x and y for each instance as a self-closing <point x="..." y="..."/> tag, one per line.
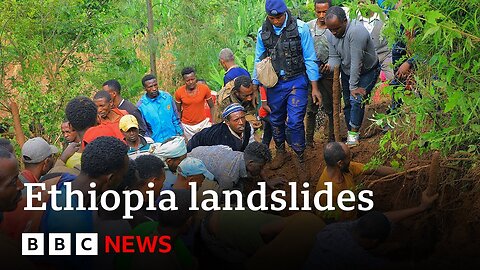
<point x="235" y="235"/>
<point x="104" y="163"/>
<point x="227" y="165"/>
<point x="181" y="258"/>
<point x="234" y="72"/>
<point x="75" y="221"/>
<point x="345" y="245"/>
<point x="336" y="248"/>
<point x="354" y="169"/>
<point x="106" y="129"/>
<point x="171" y="224"/>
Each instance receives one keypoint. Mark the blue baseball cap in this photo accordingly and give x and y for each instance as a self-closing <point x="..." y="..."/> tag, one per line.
<point x="193" y="166"/>
<point x="275" y="7"/>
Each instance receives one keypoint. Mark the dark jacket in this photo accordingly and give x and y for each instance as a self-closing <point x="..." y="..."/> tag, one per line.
<point x="133" y="110"/>
<point x="219" y="134"/>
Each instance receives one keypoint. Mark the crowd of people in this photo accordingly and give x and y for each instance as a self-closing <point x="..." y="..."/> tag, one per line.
<point x="166" y="142"/>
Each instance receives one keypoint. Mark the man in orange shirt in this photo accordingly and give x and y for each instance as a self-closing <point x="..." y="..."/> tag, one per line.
<point x="341" y="172"/>
<point x="190" y="99"/>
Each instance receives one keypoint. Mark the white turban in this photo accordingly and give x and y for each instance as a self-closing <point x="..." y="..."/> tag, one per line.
<point x="172" y="148"/>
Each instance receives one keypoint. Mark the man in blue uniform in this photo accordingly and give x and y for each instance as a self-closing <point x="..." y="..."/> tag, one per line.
<point x="288" y="43"/>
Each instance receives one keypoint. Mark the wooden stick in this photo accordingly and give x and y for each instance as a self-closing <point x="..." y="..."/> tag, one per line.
<point x="433" y="174"/>
<point x="17" y="126"/>
<point x="395" y="175"/>
<point x="452" y="167"/>
<point x="336" y="103"/>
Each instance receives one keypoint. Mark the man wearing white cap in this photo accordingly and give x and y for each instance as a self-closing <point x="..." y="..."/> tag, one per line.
<point x="172" y="152"/>
<point x="38" y="159"/>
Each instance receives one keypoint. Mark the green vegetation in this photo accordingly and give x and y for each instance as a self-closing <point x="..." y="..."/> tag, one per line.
<point x="51" y="51"/>
<point x="442" y="109"/>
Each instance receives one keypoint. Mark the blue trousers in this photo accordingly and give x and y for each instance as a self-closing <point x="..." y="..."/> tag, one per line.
<point x="288" y="102"/>
<point x="354" y="109"/>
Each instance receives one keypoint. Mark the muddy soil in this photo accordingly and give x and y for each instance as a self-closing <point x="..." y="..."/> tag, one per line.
<point x="446" y="236"/>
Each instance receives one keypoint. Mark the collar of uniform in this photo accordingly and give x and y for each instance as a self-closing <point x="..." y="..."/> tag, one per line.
<point x="279" y="29"/>
<point x="234" y="66"/>
<point x="161" y="94"/>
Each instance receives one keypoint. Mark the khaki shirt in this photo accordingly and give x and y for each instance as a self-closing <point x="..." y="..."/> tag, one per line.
<point x="232" y="98"/>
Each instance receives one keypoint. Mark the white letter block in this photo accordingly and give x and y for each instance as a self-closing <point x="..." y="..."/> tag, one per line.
<point x="59" y="244"/>
<point x="32" y="244"/>
<point x="86" y="244"/>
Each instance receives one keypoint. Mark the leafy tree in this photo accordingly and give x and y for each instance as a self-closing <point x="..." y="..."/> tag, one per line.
<point x="46" y="48"/>
<point x="442" y="110"/>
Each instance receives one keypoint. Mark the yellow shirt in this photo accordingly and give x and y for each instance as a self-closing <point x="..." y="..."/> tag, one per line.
<point x="355" y="169"/>
<point x="74" y="160"/>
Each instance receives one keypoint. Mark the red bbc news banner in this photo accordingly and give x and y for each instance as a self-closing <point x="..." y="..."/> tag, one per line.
<point x="136" y="243"/>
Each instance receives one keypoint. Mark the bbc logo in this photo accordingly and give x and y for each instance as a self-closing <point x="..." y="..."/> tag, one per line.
<point x="60" y="244"/>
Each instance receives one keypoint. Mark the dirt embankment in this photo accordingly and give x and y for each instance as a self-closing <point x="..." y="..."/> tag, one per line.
<point x="446" y="236"/>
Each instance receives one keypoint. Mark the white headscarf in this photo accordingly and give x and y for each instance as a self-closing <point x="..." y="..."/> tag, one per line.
<point x="172" y="148"/>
